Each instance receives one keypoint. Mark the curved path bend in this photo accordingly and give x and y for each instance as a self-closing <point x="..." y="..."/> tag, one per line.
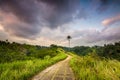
<point x="58" y="71"/>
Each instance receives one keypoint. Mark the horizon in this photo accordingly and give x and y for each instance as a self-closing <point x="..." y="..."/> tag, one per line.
<point x="46" y="22"/>
<point x="59" y="45"/>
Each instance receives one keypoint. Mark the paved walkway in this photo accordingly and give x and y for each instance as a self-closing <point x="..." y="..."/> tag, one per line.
<point x="58" y="71"/>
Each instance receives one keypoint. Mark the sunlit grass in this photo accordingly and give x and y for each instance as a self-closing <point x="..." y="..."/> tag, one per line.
<point x="93" y="68"/>
<point x="23" y="70"/>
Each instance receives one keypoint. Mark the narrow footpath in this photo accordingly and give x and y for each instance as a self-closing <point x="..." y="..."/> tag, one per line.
<point x="58" y="71"/>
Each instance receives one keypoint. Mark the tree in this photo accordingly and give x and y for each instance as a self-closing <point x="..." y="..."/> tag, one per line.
<point x="69" y="37"/>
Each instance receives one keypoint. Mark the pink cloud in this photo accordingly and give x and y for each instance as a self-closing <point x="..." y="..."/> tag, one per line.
<point x="110" y="21"/>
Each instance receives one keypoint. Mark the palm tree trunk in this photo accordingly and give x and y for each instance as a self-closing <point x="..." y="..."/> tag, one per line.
<point x="69" y="43"/>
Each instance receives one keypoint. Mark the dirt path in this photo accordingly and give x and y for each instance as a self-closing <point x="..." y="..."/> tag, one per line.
<point x="58" y="71"/>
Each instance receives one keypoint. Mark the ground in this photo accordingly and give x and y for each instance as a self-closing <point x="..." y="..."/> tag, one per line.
<point x="58" y="71"/>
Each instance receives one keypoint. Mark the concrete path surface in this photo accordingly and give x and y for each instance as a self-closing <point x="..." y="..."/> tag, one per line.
<point x="58" y="71"/>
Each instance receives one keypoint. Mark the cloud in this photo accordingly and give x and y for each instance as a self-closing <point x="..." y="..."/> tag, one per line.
<point x="45" y="12"/>
<point x="64" y="11"/>
<point x="48" y="19"/>
<point x="111" y="33"/>
<point x="26" y="18"/>
<point x="104" y="5"/>
<point x="14" y="27"/>
<point x="91" y="36"/>
<point x="111" y="21"/>
<point x="24" y="10"/>
<point x="3" y="35"/>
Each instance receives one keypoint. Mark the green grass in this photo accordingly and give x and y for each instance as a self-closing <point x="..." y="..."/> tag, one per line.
<point x="23" y="70"/>
<point x="92" y="67"/>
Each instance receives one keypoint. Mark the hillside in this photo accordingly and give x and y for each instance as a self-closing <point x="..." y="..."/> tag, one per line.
<point x="22" y="61"/>
<point x="96" y="63"/>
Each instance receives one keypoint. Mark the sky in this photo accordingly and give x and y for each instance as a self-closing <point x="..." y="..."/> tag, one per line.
<point x="46" y="22"/>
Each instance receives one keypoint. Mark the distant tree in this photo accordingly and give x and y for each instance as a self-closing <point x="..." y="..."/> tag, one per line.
<point x="6" y="40"/>
<point x="69" y="37"/>
<point x="53" y="46"/>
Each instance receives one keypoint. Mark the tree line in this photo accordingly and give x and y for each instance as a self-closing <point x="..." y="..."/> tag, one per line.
<point x="111" y="51"/>
<point x="10" y="52"/>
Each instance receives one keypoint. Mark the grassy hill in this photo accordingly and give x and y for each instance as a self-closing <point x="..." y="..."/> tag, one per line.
<point x="22" y="61"/>
<point x="97" y="63"/>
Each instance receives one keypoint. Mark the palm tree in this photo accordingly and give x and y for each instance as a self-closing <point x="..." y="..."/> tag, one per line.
<point x="69" y="37"/>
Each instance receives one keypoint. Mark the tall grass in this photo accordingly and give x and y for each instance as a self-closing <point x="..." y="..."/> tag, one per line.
<point x="92" y="67"/>
<point x="23" y="70"/>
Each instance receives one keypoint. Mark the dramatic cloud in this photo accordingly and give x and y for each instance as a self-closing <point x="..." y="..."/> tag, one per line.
<point x="11" y="24"/>
<point x="28" y="17"/>
<point x="92" y="35"/>
<point x="110" y="21"/>
<point x="106" y="4"/>
<point x="50" y="21"/>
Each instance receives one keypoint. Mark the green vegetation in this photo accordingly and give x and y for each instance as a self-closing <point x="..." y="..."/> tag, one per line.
<point x="10" y="52"/>
<point x="82" y="50"/>
<point x="21" y="61"/>
<point x="99" y="63"/>
<point x="91" y="67"/>
<point x="22" y="70"/>
<point x="111" y="51"/>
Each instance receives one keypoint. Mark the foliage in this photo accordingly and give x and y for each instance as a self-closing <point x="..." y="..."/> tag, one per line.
<point x="82" y="50"/>
<point x="111" y="51"/>
<point x="22" y="61"/>
<point x="97" y="62"/>
<point x="10" y="52"/>
<point x="23" y="70"/>
<point x="92" y="67"/>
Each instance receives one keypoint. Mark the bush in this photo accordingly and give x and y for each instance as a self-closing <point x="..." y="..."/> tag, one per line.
<point x="92" y="67"/>
<point x="23" y="70"/>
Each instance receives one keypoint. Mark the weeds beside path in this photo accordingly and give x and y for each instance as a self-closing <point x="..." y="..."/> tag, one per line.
<point x="22" y="70"/>
<point x="92" y="67"/>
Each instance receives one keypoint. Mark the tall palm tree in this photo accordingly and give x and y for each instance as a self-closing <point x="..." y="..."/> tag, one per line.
<point x="69" y="37"/>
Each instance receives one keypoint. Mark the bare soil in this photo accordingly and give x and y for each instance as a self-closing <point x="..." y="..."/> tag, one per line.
<point x="58" y="71"/>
